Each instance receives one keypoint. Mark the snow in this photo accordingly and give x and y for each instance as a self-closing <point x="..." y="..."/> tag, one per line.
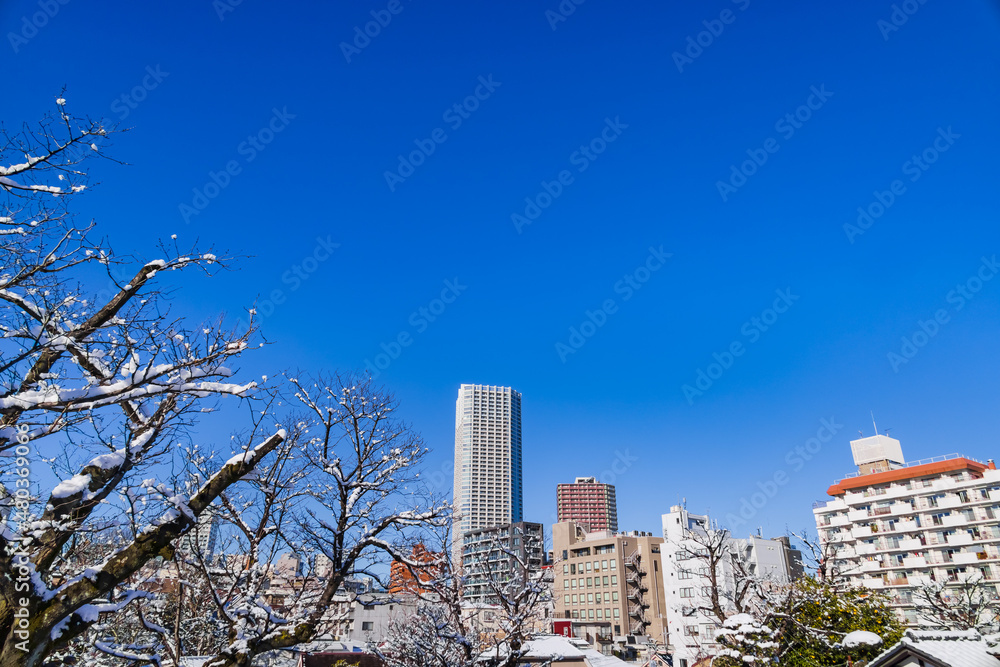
<point x="110" y="460"/>
<point x="57" y="630"/>
<point x="71" y="486"/>
<point x="861" y="638"/>
<point x="738" y="620"/>
<point x="61" y="101"/>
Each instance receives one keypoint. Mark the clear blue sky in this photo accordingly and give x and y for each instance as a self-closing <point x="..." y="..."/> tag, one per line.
<point x="886" y="95"/>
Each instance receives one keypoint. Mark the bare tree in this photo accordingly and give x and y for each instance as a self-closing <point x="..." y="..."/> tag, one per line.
<point x="447" y="631"/>
<point x="966" y="603"/>
<point x="105" y="389"/>
<point x="721" y="569"/>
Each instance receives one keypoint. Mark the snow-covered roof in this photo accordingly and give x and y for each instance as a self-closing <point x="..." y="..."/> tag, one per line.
<point x="940" y="648"/>
<point x="557" y="647"/>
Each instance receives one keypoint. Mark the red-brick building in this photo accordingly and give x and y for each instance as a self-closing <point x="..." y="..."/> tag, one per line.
<point x="404" y="579"/>
<point x="589" y="503"/>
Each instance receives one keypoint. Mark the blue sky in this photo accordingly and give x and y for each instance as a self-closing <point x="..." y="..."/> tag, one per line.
<point x="317" y="188"/>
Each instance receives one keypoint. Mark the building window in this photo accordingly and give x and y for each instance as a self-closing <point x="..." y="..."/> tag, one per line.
<point x="683" y="574"/>
<point x="614" y="579"/>
<point x="691" y="630"/>
<point x="605" y="581"/>
<point x="367" y="626"/>
<point x="687" y="592"/>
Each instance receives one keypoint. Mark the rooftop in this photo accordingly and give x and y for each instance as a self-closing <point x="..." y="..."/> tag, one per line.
<point x="921" y="468"/>
<point x="939" y="649"/>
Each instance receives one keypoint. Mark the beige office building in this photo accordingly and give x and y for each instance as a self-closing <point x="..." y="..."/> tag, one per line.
<point x="608" y="587"/>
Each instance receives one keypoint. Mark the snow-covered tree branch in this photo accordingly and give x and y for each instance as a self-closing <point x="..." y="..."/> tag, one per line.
<point x="105" y="389"/>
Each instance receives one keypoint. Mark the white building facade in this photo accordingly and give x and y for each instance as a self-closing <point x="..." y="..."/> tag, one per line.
<point x="907" y="524"/>
<point x="691" y="628"/>
<point x="488" y="470"/>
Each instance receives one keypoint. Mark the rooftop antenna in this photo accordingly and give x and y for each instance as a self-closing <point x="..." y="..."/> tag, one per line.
<point x="873" y="422"/>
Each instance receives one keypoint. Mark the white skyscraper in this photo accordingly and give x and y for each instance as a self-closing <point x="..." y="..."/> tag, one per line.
<point x="487" y="457"/>
<point x="203" y="535"/>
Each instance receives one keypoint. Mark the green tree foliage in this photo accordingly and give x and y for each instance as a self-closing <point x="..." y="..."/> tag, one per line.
<point x="817" y="616"/>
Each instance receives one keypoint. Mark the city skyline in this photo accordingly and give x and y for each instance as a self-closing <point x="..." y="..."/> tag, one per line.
<point x="458" y="294"/>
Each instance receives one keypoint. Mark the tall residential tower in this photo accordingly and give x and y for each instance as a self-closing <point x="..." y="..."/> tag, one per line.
<point x="487" y="457"/>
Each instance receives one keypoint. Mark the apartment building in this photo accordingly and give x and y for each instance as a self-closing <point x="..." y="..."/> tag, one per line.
<point x="514" y="552"/>
<point x="686" y="574"/>
<point x="366" y="618"/>
<point x="897" y="525"/>
<point x="488" y="471"/>
<point x="202" y="537"/>
<point x="609" y="587"/>
<point x="589" y="503"/>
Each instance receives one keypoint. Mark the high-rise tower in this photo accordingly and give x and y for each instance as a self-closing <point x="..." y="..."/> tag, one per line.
<point x="487" y="458"/>
<point x="589" y="503"/>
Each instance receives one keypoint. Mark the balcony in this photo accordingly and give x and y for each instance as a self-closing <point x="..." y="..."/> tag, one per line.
<point x="960" y="539"/>
<point x="914" y="562"/>
<point x="896" y="581"/>
<point x="853" y="516"/>
<point x="950" y="501"/>
<point x="968" y="558"/>
<point x="864" y="549"/>
<point x="870" y="565"/>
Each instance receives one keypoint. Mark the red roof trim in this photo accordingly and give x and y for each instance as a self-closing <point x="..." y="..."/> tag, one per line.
<point x="874" y="479"/>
